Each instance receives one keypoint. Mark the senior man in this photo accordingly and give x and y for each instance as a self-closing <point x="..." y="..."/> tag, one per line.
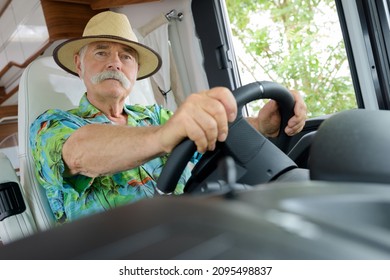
<point x="106" y="153"/>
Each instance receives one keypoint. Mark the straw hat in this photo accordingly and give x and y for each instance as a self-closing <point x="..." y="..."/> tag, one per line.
<point x="110" y="27"/>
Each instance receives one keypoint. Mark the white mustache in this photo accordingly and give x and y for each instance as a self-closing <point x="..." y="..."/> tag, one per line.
<point x="109" y="74"/>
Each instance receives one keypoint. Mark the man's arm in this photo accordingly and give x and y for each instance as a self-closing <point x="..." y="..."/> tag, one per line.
<point x="99" y="149"/>
<point x="95" y="149"/>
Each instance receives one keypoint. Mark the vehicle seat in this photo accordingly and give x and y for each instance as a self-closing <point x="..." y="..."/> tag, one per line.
<point x="352" y="146"/>
<point x="43" y="86"/>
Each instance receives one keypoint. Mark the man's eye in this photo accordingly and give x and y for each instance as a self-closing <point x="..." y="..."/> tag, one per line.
<point x="101" y="53"/>
<point x="127" y="57"/>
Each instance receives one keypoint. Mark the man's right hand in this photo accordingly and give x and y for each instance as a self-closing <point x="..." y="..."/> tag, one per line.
<point x="203" y="118"/>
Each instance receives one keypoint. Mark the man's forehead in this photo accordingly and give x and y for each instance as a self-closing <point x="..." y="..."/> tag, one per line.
<point x="108" y="45"/>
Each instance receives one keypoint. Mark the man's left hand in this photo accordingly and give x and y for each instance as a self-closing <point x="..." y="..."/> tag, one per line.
<point x="268" y="119"/>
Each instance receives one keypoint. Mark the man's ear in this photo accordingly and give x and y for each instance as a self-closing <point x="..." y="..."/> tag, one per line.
<point x="77" y="62"/>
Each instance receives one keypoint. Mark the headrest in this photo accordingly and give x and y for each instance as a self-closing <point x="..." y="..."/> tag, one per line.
<point x="352" y="146"/>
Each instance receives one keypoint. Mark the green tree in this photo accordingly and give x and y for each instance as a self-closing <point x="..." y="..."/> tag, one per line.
<point x="292" y="42"/>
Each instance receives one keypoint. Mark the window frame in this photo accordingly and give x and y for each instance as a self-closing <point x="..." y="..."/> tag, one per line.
<point x="216" y="41"/>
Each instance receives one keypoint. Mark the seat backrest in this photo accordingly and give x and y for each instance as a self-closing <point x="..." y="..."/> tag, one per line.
<point x="352" y="146"/>
<point x="42" y="86"/>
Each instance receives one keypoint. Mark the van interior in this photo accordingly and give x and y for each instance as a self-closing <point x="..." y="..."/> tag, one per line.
<point x="322" y="194"/>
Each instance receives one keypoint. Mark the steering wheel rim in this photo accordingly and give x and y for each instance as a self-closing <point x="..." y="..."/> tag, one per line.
<point x="183" y="152"/>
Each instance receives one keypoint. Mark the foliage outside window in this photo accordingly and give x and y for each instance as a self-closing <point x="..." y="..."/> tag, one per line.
<point x="297" y="43"/>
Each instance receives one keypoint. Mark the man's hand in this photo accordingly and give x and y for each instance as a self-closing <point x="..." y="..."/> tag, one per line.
<point x="203" y="118"/>
<point x="268" y="119"/>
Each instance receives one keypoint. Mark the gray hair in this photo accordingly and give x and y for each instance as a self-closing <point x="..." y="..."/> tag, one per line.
<point x="82" y="53"/>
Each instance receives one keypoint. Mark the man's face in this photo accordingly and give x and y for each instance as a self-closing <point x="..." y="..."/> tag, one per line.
<point x="108" y="69"/>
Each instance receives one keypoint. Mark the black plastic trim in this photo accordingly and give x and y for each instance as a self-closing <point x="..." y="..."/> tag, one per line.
<point x="11" y="200"/>
<point x="351" y="58"/>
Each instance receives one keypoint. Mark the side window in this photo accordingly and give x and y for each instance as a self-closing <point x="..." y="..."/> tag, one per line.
<point x="298" y="44"/>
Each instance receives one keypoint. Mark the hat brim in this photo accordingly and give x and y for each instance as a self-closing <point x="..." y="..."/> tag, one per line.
<point x="149" y="61"/>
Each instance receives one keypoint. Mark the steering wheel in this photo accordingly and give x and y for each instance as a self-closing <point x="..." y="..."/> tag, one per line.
<point x="257" y="159"/>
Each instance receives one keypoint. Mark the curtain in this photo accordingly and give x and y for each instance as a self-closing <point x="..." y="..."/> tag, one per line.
<point x="166" y="84"/>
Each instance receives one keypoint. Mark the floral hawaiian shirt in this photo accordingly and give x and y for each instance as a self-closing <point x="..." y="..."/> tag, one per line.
<point x="73" y="197"/>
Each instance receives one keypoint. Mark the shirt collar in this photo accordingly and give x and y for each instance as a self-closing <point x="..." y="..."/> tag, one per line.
<point x="88" y="111"/>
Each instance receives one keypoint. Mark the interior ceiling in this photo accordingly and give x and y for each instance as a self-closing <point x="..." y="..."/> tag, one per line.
<point x="106" y="4"/>
<point x="3" y="5"/>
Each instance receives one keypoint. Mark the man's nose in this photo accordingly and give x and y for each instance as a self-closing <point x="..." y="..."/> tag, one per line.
<point x="114" y="62"/>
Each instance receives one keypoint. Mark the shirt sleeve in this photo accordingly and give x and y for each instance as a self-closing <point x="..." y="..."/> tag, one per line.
<point x="48" y="134"/>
